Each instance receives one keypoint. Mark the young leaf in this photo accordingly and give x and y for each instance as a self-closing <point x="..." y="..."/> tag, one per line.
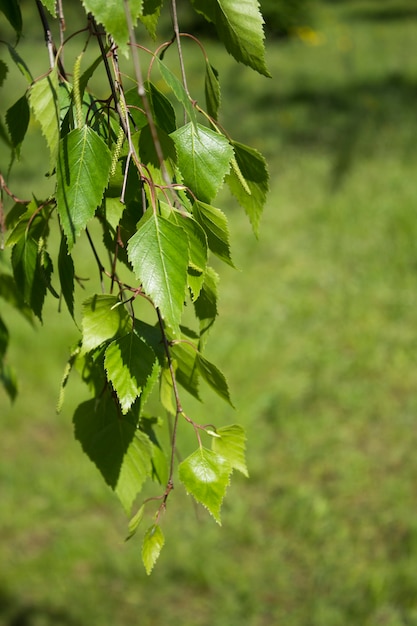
<point x="66" y="275"/>
<point x="252" y="167"/>
<point x="214" y="223"/>
<point x="17" y="120"/>
<point x="213" y="377"/>
<point x="239" y="25"/>
<point x="121" y="452"/>
<point x="230" y="442"/>
<point x="130" y="365"/>
<point x="153" y="543"/>
<point x="205" y="475"/>
<point x="203" y="159"/>
<point x="135" y="521"/>
<point x="43" y="98"/>
<point x="158" y="253"/>
<point x="103" y="317"/>
<point x="212" y="90"/>
<point x="83" y="172"/>
<point x="112" y="15"/>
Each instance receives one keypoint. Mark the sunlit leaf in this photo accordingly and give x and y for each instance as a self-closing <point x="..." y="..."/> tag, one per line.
<point x="203" y="159"/>
<point x="230" y="442"/>
<point x="153" y="543"/>
<point x="82" y="175"/>
<point x="112" y="15"/>
<point x="205" y="476"/>
<point x="43" y="98"/>
<point x="215" y="225"/>
<point x="103" y="317"/>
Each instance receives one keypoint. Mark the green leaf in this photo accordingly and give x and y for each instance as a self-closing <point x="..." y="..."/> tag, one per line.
<point x="83" y="172"/>
<point x="103" y="317"/>
<point x="158" y="253"/>
<point x="230" y="442"/>
<point x="150" y="16"/>
<point x="51" y="6"/>
<point x="135" y="105"/>
<point x="203" y="159"/>
<point x="11" y="10"/>
<point x="112" y="15"/>
<point x="205" y="306"/>
<point x="135" y="521"/>
<point x="178" y="90"/>
<point x="11" y="293"/>
<point x="214" y="223"/>
<point x="153" y="543"/>
<point x="3" y="72"/>
<point x="8" y="380"/>
<point x="239" y="25"/>
<point x="23" y="68"/>
<point x="32" y="271"/>
<point x="17" y="120"/>
<point x="130" y="364"/>
<point x="186" y="371"/>
<point x="205" y="476"/>
<point x="4" y="338"/>
<point x="213" y="377"/>
<point x="162" y="109"/>
<point x="253" y="168"/>
<point x="4" y="134"/>
<point x="66" y="275"/>
<point x="212" y="90"/>
<point x="121" y="452"/>
<point x="43" y="98"/>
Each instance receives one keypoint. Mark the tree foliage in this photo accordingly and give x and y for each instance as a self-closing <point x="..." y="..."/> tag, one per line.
<point x="146" y="164"/>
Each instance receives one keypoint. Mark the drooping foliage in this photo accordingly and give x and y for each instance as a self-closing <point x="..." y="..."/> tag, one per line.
<point x="136" y="176"/>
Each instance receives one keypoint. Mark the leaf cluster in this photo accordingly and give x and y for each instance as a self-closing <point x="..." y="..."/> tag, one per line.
<point x="149" y="182"/>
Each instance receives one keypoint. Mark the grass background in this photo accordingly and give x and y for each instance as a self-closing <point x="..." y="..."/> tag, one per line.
<point x="317" y="335"/>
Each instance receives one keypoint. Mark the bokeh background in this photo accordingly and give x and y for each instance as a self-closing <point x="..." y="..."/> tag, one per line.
<point x="317" y="336"/>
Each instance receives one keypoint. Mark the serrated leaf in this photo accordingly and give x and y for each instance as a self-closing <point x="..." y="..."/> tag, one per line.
<point x="130" y="365"/>
<point x="214" y="377"/>
<point x="83" y="172"/>
<point x="112" y="15"/>
<point x="205" y="475"/>
<point x="253" y="168"/>
<point x="239" y="25"/>
<point x="212" y="90"/>
<point x="23" y="68"/>
<point x="66" y="275"/>
<point x="103" y="317"/>
<point x="121" y="452"/>
<point x="230" y="442"/>
<point x="150" y="15"/>
<point x="43" y="98"/>
<point x="17" y="120"/>
<point x="203" y="159"/>
<point x="215" y="225"/>
<point x="178" y="90"/>
<point x="3" y="72"/>
<point x="11" y="10"/>
<point x="135" y="521"/>
<point x="153" y="543"/>
<point x="51" y="6"/>
<point x="158" y="253"/>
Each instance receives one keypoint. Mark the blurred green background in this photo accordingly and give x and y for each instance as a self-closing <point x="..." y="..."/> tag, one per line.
<point x="318" y="338"/>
